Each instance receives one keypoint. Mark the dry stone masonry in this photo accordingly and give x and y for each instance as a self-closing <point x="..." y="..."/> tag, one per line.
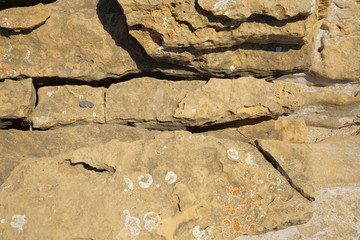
<point x="179" y="120"/>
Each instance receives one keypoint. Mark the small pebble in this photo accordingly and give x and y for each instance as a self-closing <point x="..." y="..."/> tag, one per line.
<point x="86" y="104"/>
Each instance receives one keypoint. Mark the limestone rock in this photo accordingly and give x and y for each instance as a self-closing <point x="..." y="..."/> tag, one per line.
<point x="104" y="193"/>
<point x="339" y="42"/>
<point x="24" y="18"/>
<point x="336" y="216"/>
<point x="293" y="161"/>
<point x="224" y="100"/>
<point x="147" y="102"/>
<point x="336" y="160"/>
<point x="68" y="104"/>
<point x="317" y="134"/>
<point x="72" y="44"/>
<point x="222" y="38"/>
<point x="288" y="130"/>
<point x="15" y="145"/>
<point x="17" y="99"/>
<point x="334" y="106"/>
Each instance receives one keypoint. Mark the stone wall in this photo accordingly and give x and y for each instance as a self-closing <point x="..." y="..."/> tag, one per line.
<point x="196" y="119"/>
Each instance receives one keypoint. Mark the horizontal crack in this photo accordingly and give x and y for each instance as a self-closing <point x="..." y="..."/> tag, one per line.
<point x="91" y="168"/>
<point x="278" y="167"/>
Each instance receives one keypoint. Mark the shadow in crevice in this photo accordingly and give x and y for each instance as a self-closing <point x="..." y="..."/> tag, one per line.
<point x="113" y="19"/>
<point x="22" y="3"/>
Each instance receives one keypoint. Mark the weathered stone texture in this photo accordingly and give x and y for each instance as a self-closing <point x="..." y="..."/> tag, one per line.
<point x="16" y="146"/>
<point x="339" y="42"/>
<point x="221" y="38"/>
<point x="69" y="104"/>
<point x="229" y="190"/>
<point x="17" y="99"/>
<point x="24" y="18"/>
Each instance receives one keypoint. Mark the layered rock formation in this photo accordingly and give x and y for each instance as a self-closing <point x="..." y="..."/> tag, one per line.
<point x="198" y="119"/>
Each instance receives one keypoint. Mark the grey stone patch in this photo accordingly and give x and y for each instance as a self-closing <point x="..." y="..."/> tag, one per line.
<point x="86" y="104"/>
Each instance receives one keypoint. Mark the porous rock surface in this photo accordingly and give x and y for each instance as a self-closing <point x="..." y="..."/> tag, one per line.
<point x="229" y="190"/>
<point x="242" y="119"/>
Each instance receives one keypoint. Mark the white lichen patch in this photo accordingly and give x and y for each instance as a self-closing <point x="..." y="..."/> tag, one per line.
<point x="27" y="55"/>
<point x="81" y="97"/>
<point x="233" y="154"/>
<point x="19" y="222"/>
<point x="151" y="221"/>
<point x="132" y="224"/>
<point x="223" y="7"/>
<point x="94" y="113"/>
<point x="202" y="234"/>
<point x="2" y="221"/>
<point x="49" y="94"/>
<point x="170" y="177"/>
<point x="129" y="184"/>
<point x="232" y="68"/>
<point x="148" y="180"/>
<point x="249" y="160"/>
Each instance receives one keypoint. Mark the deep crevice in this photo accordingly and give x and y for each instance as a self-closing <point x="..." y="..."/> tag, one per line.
<point x="91" y="168"/>
<point x="22" y="3"/>
<point x="227" y="125"/>
<point x="278" y="167"/>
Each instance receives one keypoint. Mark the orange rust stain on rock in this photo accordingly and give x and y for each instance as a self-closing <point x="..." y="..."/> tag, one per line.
<point x="171" y="34"/>
<point x="252" y="227"/>
<point x="227" y="222"/>
<point x="235" y="191"/>
<point x="249" y="218"/>
<point x="2" y="49"/>
<point x="5" y="69"/>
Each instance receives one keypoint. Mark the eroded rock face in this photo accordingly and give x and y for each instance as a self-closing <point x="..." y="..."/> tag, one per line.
<point x="69" y="104"/>
<point x="339" y="42"/>
<point x="226" y="37"/>
<point x="229" y="190"/>
<point x="24" y="18"/>
<point x="17" y="99"/>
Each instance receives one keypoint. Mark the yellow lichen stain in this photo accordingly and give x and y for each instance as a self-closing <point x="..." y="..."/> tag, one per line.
<point x="171" y="34"/>
<point x="5" y="69"/>
<point x="235" y="191"/>
<point x="249" y="218"/>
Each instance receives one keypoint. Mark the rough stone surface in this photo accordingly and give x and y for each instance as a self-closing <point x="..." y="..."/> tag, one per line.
<point x="336" y="160"/>
<point x="218" y="38"/>
<point x="17" y="99"/>
<point x="317" y="134"/>
<point x="334" y="106"/>
<point x="288" y="130"/>
<point x="336" y="216"/>
<point x="147" y="102"/>
<point x="24" y="18"/>
<point x="229" y="190"/>
<point x="339" y="42"/>
<point x="62" y="105"/>
<point x="293" y="161"/>
<point x="16" y="146"/>
<point x="224" y="100"/>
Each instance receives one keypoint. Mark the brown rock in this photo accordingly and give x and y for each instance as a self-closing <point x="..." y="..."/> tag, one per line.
<point x="217" y="37"/>
<point x="222" y="195"/>
<point x="339" y="42"/>
<point x="24" y="18"/>
<point x="317" y="134"/>
<point x="288" y="130"/>
<point x="336" y="160"/>
<point x="69" y="104"/>
<point x="293" y="161"/>
<point x="147" y="102"/>
<point x="225" y="100"/>
<point x="336" y="216"/>
<point x="15" y="145"/>
<point x="17" y="99"/>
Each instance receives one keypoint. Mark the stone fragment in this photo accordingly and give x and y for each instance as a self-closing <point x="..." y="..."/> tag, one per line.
<point x="317" y="134"/>
<point x="334" y="106"/>
<point x="288" y="130"/>
<point x="242" y="10"/>
<point x="220" y="196"/>
<point x="147" y="102"/>
<point x="60" y="105"/>
<point x="17" y="99"/>
<point x="339" y="42"/>
<point x="15" y="145"/>
<point x="225" y="100"/>
<point x="24" y="18"/>
<point x="336" y="216"/>
<point x="226" y="38"/>
<point x="293" y="161"/>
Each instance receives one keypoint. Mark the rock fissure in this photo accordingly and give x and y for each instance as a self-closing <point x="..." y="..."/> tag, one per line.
<point x="278" y="167"/>
<point x="88" y="167"/>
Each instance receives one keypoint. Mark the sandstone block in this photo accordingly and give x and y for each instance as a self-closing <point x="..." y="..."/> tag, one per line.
<point x="103" y="192"/>
<point x="339" y="42"/>
<point x="17" y="99"/>
<point x="24" y="18"/>
<point x="68" y="104"/>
